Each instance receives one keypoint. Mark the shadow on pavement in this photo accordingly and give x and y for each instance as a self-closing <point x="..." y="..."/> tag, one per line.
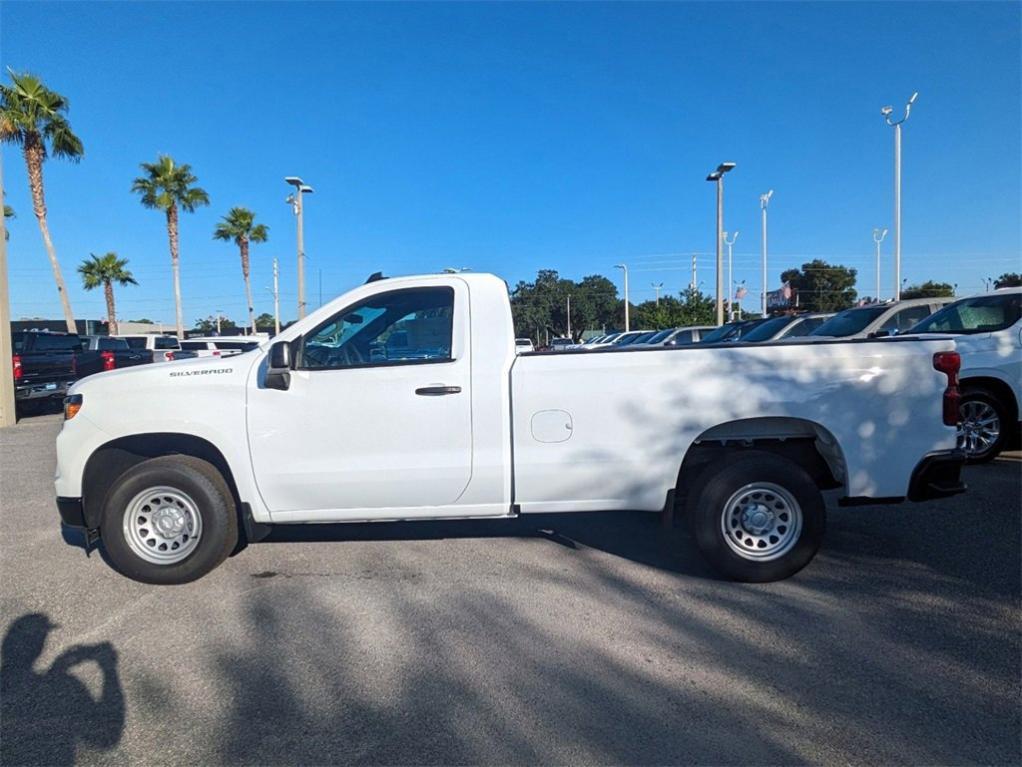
<point x="47" y="714"/>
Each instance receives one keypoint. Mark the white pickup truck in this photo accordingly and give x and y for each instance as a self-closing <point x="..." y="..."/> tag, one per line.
<point x="404" y="399"/>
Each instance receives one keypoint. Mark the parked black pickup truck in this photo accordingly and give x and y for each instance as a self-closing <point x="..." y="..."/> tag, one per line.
<point x="99" y="353"/>
<point x="45" y="364"/>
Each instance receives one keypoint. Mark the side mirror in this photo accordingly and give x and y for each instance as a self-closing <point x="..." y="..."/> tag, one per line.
<point x="278" y="369"/>
<point x="880" y="334"/>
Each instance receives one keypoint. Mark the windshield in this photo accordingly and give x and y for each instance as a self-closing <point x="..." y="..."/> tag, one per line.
<point x="641" y="338"/>
<point x="849" y="322"/>
<point x="720" y="334"/>
<point x="768" y="329"/>
<point x="658" y="337"/>
<point x="981" y="314"/>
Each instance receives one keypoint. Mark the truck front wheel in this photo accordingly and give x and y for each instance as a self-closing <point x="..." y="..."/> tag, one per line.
<point x="169" y="520"/>
<point x="757" y="518"/>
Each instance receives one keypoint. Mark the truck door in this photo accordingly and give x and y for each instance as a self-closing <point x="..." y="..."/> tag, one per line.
<point x="378" y="413"/>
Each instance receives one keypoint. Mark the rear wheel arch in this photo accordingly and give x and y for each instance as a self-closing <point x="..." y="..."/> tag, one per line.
<point x="110" y="461"/>
<point x="804" y="442"/>
<point x="995" y="387"/>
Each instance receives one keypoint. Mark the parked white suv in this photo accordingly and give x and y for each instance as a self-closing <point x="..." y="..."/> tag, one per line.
<point x="219" y="346"/>
<point x="989" y="338"/>
<point x="161" y="348"/>
<point x="878" y="320"/>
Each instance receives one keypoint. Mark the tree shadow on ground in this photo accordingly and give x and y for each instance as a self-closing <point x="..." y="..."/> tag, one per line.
<point x="48" y="714"/>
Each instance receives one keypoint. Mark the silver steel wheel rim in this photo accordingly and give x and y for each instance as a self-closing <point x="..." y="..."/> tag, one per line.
<point x="979" y="428"/>
<point x="761" y="521"/>
<point x="162" y="525"/>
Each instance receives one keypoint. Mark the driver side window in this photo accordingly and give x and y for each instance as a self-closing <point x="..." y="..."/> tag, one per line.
<point x="401" y="327"/>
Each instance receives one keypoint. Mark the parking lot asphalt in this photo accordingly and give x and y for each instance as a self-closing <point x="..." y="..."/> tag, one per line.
<point x="587" y="638"/>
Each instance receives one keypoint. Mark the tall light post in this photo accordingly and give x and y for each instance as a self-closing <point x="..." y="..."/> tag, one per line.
<point x="219" y="316"/>
<point x="276" y="298"/>
<point x="717" y="177"/>
<point x="764" y="201"/>
<point x="730" y="275"/>
<point x="295" y="200"/>
<point x="896" y="124"/>
<point x="878" y="237"/>
<point x="657" y="287"/>
<point x="624" y="268"/>
<point x="569" y="315"/>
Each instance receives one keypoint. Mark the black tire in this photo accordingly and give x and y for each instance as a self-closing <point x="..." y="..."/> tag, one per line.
<point x="201" y="482"/>
<point x="972" y="398"/>
<point x="708" y="503"/>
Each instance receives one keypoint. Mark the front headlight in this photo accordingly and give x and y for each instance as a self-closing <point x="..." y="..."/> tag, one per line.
<point x="72" y="404"/>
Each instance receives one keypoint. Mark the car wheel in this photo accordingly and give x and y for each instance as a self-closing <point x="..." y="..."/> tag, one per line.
<point x="757" y="518"/>
<point x="983" y="425"/>
<point x="169" y="520"/>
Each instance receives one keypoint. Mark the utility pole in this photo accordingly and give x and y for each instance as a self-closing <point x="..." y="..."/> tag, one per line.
<point x="624" y="268"/>
<point x="219" y="312"/>
<point x="764" y="200"/>
<point x="8" y="416"/>
<point x="896" y="124"/>
<point x="730" y="275"/>
<point x="878" y="237"/>
<point x="569" y="315"/>
<point x="297" y="207"/>
<point x="717" y="176"/>
<point x="276" y="298"/>
<point x="694" y="284"/>
<point x="657" y="287"/>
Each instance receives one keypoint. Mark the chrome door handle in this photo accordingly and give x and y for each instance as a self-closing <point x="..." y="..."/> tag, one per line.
<point x="437" y="391"/>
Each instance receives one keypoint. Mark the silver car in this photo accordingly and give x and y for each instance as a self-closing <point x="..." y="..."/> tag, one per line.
<point x="878" y="320"/>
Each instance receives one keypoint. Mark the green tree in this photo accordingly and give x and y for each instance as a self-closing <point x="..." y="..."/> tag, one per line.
<point x="1008" y="280"/>
<point x="104" y="271"/>
<point x="239" y="225"/>
<point x="540" y="307"/>
<point x="168" y="186"/>
<point x="265" y="322"/>
<point x="928" y="289"/>
<point x="207" y="326"/>
<point x="34" y="118"/>
<point x="822" y="287"/>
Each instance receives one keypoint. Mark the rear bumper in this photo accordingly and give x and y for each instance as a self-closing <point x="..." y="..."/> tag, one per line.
<point x="40" y="391"/>
<point x="938" y="475"/>
<point x="72" y="513"/>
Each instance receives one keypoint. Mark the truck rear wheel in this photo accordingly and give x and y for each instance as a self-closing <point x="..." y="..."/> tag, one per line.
<point x="757" y="518"/>
<point x="169" y="520"/>
<point x="983" y="426"/>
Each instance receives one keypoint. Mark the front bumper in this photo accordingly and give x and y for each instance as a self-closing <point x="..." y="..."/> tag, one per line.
<point x="938" y="475"/>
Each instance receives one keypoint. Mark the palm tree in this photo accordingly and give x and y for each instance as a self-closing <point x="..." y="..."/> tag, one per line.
<point x="105" y="271"/>
<point x="239" y="225"/>
<point x="167" y="186"/>
<point x="32" y="117"/>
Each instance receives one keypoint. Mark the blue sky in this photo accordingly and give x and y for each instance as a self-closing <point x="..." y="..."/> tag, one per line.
<point x="510" y="138"/>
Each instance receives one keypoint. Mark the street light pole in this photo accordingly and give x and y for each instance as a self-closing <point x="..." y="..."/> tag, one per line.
<point x="764" y="200"/>
<point x="624" y="268"/>
<point x="219" y="314"/>
<point x="717" y="176"/>
<point x="730" y="275"/>
<point x="878" y="237"/>
<point x="297" y="207"/>
<point x="896" y="124"/>
<point x="657" y="287"/>
<point x="569" y="315"/>
<point x="276" y="298"/>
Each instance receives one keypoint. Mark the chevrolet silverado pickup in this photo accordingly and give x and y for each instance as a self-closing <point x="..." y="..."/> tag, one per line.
<point x="404" y="399"/>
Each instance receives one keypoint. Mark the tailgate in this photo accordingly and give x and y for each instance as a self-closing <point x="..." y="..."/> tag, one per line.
<point x="42" y="367"/>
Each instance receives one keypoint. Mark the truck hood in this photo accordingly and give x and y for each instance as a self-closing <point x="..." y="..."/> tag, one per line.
<point x="146" y="378"/>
